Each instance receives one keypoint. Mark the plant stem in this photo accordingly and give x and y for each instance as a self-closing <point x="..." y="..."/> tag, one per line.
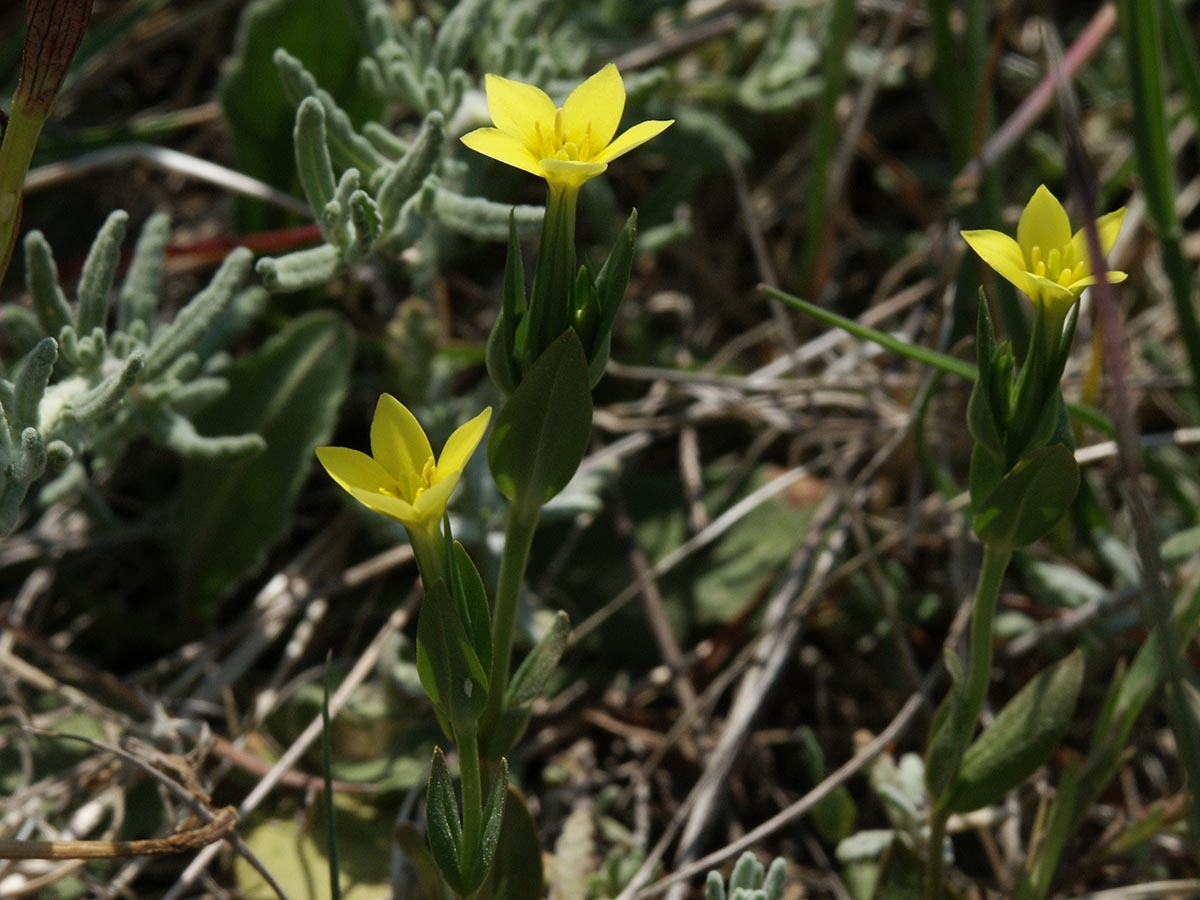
<point x="518" y="538"/>
<point x="934" y="854"/>
<point x="987" y="591"/>
<point x="472" y="795"/>
<point x="16" y="152"/>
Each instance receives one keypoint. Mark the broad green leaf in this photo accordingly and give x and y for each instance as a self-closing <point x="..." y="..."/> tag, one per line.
<point x="442" y="822"/>
<point x="1030" y="499"/>
<point x="542" y="432"/>
<point x="1022" y="737"/>
<point x="260" y="117"/>
<point x="231" y="514"/>
<point x="517" y="869"/>
<point x="293" y="850"/>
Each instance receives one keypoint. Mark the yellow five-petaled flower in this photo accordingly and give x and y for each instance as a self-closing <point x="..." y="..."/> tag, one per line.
<point x="1046" y="261"/>
<point x="401" y="478"/>
<point x="565" y="145"/>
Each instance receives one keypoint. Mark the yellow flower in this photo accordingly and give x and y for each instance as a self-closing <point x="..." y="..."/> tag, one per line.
<point x="401" y="478"/>
<point x="566" y="145"/>
<point x="1046" y="261"/>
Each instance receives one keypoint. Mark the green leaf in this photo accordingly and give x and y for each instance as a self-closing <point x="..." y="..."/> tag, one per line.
<point x="542" y="432"/>
<point x="535" y="670"/>
<point x="289" y="392"/>
<point x="947" y="736"/>
<point x="517" y="869"/>
<point x="442" y="822"/>
<point x="987" y="411"/>
<point x="526" y="686"/>
<point x="1030" y="499"/>
<point x="493" y="821"/>
<point x="1022" y="737"/>
<point x="259" y="114"/>
<point x="449" y="668"/>
<point x="293" y="851"/>
<point x="608" y="293"/>
<point x="506" y="351"/>
<point x="834" y="815"/>
<point x="473" y="604"/>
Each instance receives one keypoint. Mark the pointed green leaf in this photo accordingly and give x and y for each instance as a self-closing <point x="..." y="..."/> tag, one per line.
<point x="493" y="820"/>
<point x="609" y="292"/>
<point x="517" y="869"/>
<point x="442" y="822"/>
<point x="472" y="597"/>
<point x="535" y="670"/>
<point x="1024" y="734"/>
<point x="983" y="420"/>
<point x="1030" y="499"/>
<point x="541" y="433"/>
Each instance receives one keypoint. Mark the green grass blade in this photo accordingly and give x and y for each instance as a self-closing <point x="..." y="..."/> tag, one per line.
<point x="932" y="358"/>
<point x="335" y="882"/>
<point x="1141" y="36"/>
<point x="816" y="226"/>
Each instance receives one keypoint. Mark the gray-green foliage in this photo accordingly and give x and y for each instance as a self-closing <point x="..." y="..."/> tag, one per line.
<point x="372" y="189"/>
<point x="748" y="881"/>
<point x="82" y="391"/>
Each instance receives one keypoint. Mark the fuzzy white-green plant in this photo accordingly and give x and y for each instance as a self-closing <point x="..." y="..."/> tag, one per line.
<point x="389" y="189"/>
<point x="748" y="881"/>
<point x="90" y="379"/>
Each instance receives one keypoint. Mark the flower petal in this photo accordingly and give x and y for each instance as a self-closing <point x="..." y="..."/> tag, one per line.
<point x="1108" y="226"/>
<point x="1043" y="290"/>
<point x="398" y="443"/>
<point x="457" y="452"/>
<point x="596" y="104"/>
<point x="1043" y="224"/>
<point x="570" y="172"/>
<point x="633" y="137"/>
<point x="354" y="470"/>
<point x="387" y="504"/>
<point x="502" y="146"/>
<point x="1000" y="252"/>
<point x="1088" y="280"/>
<point x="432" y="502"/>
<point x="517" y="108"/>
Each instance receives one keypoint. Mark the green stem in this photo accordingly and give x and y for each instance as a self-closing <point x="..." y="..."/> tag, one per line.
<point x="933" y="867"/>
<point x="472" y="794"/>
<point x="987" y="592"/>
<point x="429" y="549"/>
<point x="16" y="152"/>
<point x="518" y="538"/>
